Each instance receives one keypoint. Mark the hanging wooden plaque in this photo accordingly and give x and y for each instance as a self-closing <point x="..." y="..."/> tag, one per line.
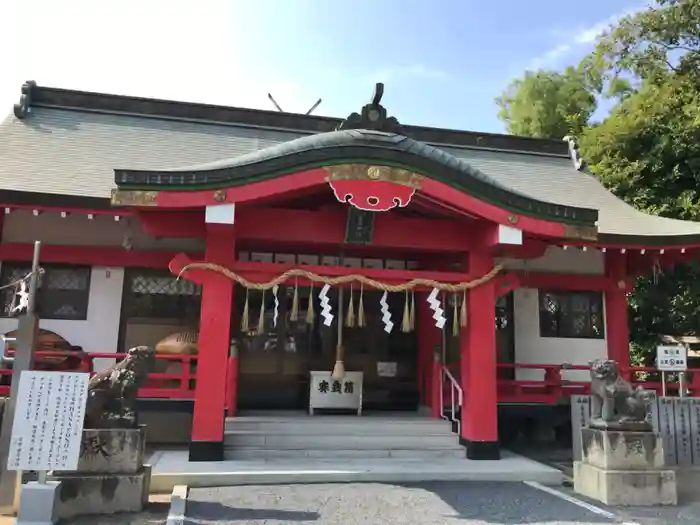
<point x="359" y="227"/>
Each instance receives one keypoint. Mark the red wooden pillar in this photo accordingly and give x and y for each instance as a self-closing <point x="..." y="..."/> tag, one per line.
<point x="479" y="428"/>
<point x="616" y="313"/>
<point x="429" y="337"/>
<point x="207" y="442"/>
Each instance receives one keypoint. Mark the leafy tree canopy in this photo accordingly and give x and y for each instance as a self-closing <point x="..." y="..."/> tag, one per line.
<point x="547" y="104"/>
<point x="647" y="150"/>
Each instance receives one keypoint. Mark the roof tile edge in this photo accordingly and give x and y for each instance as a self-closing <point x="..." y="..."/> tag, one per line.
<point x="34" y="95"/>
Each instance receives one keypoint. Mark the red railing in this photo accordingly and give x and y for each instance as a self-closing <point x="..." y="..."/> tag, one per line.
<point x="159" y="386"/>
<point x="552" y="386"/>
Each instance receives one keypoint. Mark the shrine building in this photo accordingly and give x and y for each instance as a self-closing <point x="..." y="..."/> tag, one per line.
<point x="454" y="270"/>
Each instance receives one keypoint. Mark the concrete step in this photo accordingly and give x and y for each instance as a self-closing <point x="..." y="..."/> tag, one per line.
<point x="330" y="425"/>
<point x="231" y="454"/>
<point x="283" y="441"/>
<point x="172" y="468"/>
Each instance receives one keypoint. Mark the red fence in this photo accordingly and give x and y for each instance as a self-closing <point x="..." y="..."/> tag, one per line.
<point x="549" y="388"/>
<point x="178" y="385"/>
<point x="552" y="385"/>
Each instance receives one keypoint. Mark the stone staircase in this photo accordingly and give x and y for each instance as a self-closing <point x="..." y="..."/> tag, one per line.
<point x="381" y="436"/>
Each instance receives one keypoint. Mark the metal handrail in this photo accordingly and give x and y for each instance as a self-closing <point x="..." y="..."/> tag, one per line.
<point x="454" y="387"/>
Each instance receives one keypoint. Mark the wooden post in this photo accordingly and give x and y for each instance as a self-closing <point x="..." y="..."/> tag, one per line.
<point x="10" y="481"/>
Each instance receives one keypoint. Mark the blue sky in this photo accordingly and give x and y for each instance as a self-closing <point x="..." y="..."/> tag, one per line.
<point x="443" y="61"/>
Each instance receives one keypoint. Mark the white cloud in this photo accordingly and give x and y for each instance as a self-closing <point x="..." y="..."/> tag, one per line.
<point x="171" y="49"/>
<point x="577" y="40"/>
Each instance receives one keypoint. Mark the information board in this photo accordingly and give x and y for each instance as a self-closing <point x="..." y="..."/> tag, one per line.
<point x="48" y="423"/>
<point x="326" y="392"/>
<point x="671" y="358"/>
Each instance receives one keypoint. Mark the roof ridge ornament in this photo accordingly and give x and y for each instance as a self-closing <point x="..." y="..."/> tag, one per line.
<point x="575" y="153"/>
<point x="373" y="116"/>
<point x="25" y="100"/>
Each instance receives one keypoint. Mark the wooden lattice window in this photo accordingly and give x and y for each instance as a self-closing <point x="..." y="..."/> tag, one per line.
<point x="571" y="315"/>
<point x="154" y="294"/>
<point x="63" y="291"/>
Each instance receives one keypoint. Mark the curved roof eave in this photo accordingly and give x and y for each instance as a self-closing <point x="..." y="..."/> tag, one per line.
<point x="354" y="146"/>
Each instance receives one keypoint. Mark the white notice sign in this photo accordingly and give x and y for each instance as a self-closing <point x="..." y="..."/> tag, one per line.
<point x="671" y="358"/>
<point x="48" y="423"/>
<point x="386" y="369"/>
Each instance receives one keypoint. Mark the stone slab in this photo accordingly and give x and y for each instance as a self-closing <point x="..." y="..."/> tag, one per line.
<point x="626" y="487"/>
<point x="619" y="450"/>
<point x="667" y="423"/>
<point x="38" y="503"/>
<point x="580" y="416"/>
<point x="88" y="494"/>
<point x="695" y="429"/>
<point x="681" y="413"/>
<point x="112" y="451"/>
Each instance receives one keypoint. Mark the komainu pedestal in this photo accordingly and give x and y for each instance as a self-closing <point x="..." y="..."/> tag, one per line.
<point x="622" y="459"/>
<point x="111" y="476"/>
<point x="624" y="468"/>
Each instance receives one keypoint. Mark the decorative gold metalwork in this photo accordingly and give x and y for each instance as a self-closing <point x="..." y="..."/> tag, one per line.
<point x="134" y="198"/>
<point x="374" y="173"/>
<point x="220" y="195"/>
<point x="513" y="219"/>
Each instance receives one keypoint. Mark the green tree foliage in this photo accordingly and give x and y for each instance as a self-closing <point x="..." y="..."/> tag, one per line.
<point x="647" y="151"/>
<point x="547" y="104"/>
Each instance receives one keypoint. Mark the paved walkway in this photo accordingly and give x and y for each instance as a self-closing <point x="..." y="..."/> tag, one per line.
<point x="433" y="503"/>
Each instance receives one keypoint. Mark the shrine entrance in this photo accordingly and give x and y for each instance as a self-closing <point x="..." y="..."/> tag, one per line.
<point x="275" y="363"/>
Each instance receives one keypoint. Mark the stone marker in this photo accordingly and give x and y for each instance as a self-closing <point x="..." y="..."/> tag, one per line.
<point x="623" y="461"/>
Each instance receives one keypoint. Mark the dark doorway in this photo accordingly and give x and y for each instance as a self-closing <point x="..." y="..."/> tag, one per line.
<point x="275" y="364"/>
<point x="505" y="333"/>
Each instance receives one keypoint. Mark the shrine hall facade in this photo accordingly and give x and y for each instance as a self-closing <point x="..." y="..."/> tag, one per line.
<point x="489" y="255"/>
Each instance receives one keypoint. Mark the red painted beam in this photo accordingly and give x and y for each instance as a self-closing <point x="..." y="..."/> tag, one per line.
<point x="176" y="224"/>
<point x="76" y="211"/>
<point x="89" y="255"/>
<point x="303" y="227"/>
<point x="438" y="191"/>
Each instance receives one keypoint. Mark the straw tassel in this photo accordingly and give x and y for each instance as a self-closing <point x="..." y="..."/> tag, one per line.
<point x="412" y="314"/>
<point x="294" y="314"/>
<point x="406" y="321"/>
<point x="245" y="316"/>
<point x="463" y="310"/>
<point x="261" y="319"/>
<point x="339" y="367"/>
<point x="350" y="317"/>
<point x="455" y="317"/>
<point x="361" y="320"/>
<point x="310" y="308"/>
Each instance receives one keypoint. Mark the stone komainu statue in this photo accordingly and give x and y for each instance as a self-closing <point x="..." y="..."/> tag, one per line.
<point x="614" y="403"/>
<point x="112" y="393"/>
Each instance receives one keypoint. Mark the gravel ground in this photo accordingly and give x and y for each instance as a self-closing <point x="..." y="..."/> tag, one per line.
<point x="438" y="503"/>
